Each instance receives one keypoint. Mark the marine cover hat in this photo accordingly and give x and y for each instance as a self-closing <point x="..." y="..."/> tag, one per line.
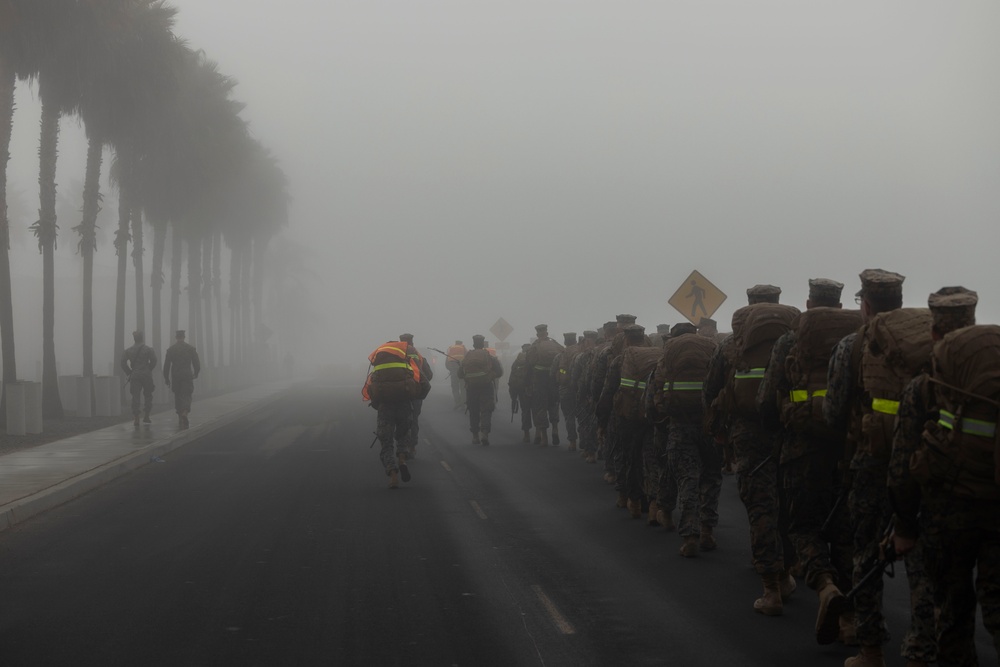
<point x="953" y="308"/>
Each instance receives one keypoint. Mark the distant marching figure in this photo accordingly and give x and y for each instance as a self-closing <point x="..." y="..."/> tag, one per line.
<point x="138" y="363"/>
<point x="180" y="369"/>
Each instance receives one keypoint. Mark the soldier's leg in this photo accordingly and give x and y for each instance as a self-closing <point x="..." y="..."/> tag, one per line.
<point x="988" y="583"/>
<point x="955" y="593"/>
<point x="539" y="405"/>
<point x="686" y="465"/>
<point x="385" y="430"/>
<point x="553" y="409"/>
<point x="135" y="387"/>
<point x="710" y="487"/>
<point x="869" y="507"/>
<point x="487" y="405"/>
<point x="147" y="389"/>
<point x="758" y="486"/>
<point x="920" y="640"/>
<point x="473" y="398"/>
<point x="809" y="503"/>
<point x="568" y="404"/>
<point x="456" y="388"/>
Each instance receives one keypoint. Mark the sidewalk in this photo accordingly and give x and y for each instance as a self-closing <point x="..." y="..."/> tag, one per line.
<point x="40" y="478"/>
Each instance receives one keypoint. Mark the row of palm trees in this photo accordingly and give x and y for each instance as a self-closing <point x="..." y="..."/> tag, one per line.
<point x="183" y="162"/>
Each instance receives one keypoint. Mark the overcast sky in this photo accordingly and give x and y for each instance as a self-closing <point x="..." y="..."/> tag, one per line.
<point x="561" y="162"/>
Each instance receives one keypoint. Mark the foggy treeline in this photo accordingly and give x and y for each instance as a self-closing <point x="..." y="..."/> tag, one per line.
<point x="191" y="183"/>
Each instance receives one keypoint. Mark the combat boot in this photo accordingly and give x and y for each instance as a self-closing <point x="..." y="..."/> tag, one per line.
<point x="146" y="419"/>
<point x="393" y="479"/>
<point x="404" y="471"/>
<point x="591" y="457"/>
<point x="622" y="500"/>
<point x="664" y="518"/>
<point x="868" y="656"/>
<point x="527" y="436"/>
<point x="135" y="421"/>
<point x="544" y="438"/>
<point x="769" y="603"/>
<point x="609" y="477"/>
<point x="690" y="547"/>
<point x="787" y="585"/>
<point x="484" y="438"/>
<point x="848" y="629"/>
<point x="832" y="604"/>
<point x="475" y="437"/>
<point x="634" y="508"/>
<point x="571" y="446"/>
<point x="538" y="436"/>
<point x="555" y="434"/>
<point x="707" y="541"/>
<point x="651" y="517"/>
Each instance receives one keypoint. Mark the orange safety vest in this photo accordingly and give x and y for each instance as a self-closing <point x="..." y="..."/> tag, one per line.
<point x="457" y="352"/>
<point x="398" y="349"/>
<point x="492" y="351"/>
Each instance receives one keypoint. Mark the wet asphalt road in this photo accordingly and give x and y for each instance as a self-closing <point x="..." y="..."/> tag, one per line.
<point x="277" y="542"/>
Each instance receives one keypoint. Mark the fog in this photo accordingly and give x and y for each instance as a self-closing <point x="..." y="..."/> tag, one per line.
<point x="451" y="163"/>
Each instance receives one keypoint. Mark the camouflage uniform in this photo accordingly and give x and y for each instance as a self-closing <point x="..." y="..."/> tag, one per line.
<point x="695" y="460"/>
<point x="480" y="395"/>
<point x="562" y="379"/>
<point x="138" y="363"/>
<point x="426" y="375"/>
<point x="181" y="367"/>
<point x="811" y="484"/>
<point x="586" y="421"/>
<point x="517" y="387"/>
<point x="544" y="396"/>
<point x="394" y="420"/>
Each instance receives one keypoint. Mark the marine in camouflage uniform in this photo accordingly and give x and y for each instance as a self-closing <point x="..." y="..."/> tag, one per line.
<point x="693" y="475"/>
<point x="614" y="464"/>
<point x="138" y="363"/>
<point x="586" y="421"/>
<point x="480" y="391"/>
<point x="517" y="387"/>
<point x="417" y="404"/>
<point x="544" y="395"/>
<point x="756" y="462"/>
<point x="948" y="536"/>
<point x="634" y="435"/>
<point x="868" y="498"/>
<point x="561" y="378"/>
<point x="818" y="520"/>
<point x="181" y="367"/>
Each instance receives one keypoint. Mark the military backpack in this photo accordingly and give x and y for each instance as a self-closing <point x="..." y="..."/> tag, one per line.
<point x="817" y="332"/>
<point x="895" y="348"/>
<point x="679" y="376"/>
<point x="764" y="323"/>
<point x="961" y="450"/>
<point x="477" y="367"/>
<point x="637" y="364"/>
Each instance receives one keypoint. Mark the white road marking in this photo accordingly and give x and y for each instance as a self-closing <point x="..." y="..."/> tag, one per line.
<point x="444" y="464"/>
<point x="478" y="509"/>
<point x="427" y="442"/>
<point x="564" y="626"/>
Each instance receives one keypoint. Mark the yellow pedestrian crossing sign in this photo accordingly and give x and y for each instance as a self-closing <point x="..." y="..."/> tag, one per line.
<point x="697" y="298"/>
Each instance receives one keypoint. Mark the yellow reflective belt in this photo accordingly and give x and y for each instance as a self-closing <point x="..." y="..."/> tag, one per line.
<point x="752" y="374"/>
<point x="393" y="364"/>
<point x="682" y="386"/>
<point x="802" y="395"/>
<point x="628" y="383"/>
<point x="475" y="375"/>
<point x="541" y="368"/>
<point x="885" y="406"/>
<point x="562" y="371"/>
<point x="971" y="426"/>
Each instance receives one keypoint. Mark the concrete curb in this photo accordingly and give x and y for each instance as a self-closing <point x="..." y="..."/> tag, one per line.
<point x="24" y="508"/>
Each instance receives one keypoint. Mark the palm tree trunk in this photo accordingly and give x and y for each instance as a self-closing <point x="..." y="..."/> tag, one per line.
<point x="46" y="231"/>
<point x="246" y="332"/>
<point x="194" y="289"/>
<point x="176" y="261"/>
<point x="88" y="245"/>
<point x="234" y="306"/>
<point x="122" y="239"/>
<point x="217" y="286"/>
<point x="156" y="284"/>
<point x="6" y="298"/>
<point x="206" y="297"/>
<point x="137" y="252"/>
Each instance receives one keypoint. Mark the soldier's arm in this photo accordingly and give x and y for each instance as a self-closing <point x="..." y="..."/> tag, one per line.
<point x="126" y="366"/>
<point x="167" y="363"/>
<point x="426" y="370"/>
<point x="715" y="378"/>
<point x="612" y="381"/>
<point x="152" y="359"/>
<point x="904" y="491"/>
<point x="195" y="362"/>
<point x="774" y="381"/>
<point x="840" y="385"/>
